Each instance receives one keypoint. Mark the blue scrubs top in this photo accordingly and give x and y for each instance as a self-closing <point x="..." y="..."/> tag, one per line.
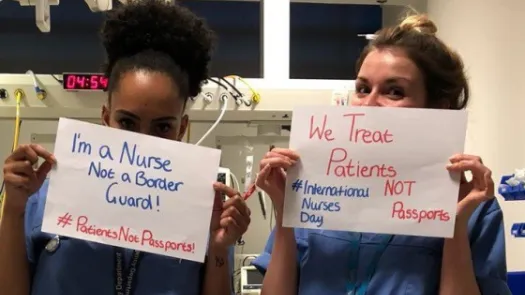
<point x="409" y="265"/>
<point x="79" y="267"/>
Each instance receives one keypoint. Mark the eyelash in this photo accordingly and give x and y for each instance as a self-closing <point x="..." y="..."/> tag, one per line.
<point x="129" y="125"/>
<point x="360" y="88"/>
<point x="164" y="128"/>
<point x="126" y="124"/>
<point x="398" y="92"/>
<point x="392" y="92"/>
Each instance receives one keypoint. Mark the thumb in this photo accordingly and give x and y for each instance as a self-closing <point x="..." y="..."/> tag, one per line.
<point x="263" y="175"/>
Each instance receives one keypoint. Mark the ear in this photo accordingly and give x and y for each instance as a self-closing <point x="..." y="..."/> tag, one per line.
<point x="105" y="115"/>
<point x="183" y="126"/>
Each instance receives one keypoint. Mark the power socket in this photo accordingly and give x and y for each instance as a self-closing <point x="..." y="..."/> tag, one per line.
<point x="224" y="176"/>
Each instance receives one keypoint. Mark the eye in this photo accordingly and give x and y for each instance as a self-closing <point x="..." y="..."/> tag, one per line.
<point x="126" y="124"/>
<point x="395" y="93"/>
<point x="164" y="128"/>
<point x="362" y="90"/>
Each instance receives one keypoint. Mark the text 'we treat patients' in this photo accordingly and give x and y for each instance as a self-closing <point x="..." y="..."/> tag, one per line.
<point x="144" y="193"/>
<point x="380" y="170"/>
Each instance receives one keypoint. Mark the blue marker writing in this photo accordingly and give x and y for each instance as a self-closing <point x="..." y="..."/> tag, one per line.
<point x="132" y="157"/>
<point x="140" y="202"/>
<point x="316" y="217"/>
<point x="141" y="179"/>
<point x="98" y="171"/>
<point x="79" y="146"/>
<point x="310" y="204"/>
<point x="306" y="217"/>
<point x="311" y="209"/>
<point x="315" y="189"/>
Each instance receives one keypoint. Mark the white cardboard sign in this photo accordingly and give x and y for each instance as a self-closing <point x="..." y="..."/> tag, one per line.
<point x="374" y="169"/>
<point x="131" y="190"/>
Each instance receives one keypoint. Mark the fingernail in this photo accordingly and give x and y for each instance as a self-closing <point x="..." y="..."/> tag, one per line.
<point x="454" y="156"/>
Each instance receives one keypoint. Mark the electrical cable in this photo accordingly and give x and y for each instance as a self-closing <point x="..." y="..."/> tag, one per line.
<point x="58" y="80"/>
<point x="18" y="123"/>
<point x="239" y="93"/>
<point x="2" y="186"/>
<point x="236" y="96"/>
<point x="256" y="96"/>
<point x="218" y="83"/>
<point x="40" y="93"/>
<point x="246" y="258"/>
<point x="224" y="101"/>
<point x="235" y="181"/>
<point x="223" y="111"/>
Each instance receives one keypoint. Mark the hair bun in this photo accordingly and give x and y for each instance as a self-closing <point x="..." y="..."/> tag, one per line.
<point x="420" y="23"/>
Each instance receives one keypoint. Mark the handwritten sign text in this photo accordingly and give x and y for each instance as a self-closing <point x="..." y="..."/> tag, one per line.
<point x="131" y="190"/>
<point x="378" y="170"/>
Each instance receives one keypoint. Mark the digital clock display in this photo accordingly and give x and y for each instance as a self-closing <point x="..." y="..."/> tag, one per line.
<point x="79" y="81"/>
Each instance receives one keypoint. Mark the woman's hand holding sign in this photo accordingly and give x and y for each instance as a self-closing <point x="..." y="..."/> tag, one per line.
<point x="230" y="219"/>
<point x="272" y="180"/>
<point x="272" y="175"/>
<point x="21" y="179"/>
<point x="457" y="271"/>
<point x="473" y="192"/>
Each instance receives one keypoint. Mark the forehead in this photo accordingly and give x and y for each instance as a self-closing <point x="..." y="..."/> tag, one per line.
<point x="146" y="92"/>
<point x="388" y="63"/>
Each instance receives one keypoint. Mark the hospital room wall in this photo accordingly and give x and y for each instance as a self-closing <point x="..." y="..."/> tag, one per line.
<point x="484" y="33"/>
<point x="487" y="35"/>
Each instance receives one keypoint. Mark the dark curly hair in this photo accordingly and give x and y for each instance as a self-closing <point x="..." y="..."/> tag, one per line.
<point x="158" y="36"/>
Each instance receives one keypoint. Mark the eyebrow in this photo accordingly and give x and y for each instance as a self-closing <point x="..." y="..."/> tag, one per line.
<point x="130" y="114"/>
<point x="167" y="118"/>
<point x="389" y="80"/>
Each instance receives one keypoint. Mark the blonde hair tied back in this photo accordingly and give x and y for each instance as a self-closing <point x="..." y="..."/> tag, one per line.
<point x="419" y="23"/>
